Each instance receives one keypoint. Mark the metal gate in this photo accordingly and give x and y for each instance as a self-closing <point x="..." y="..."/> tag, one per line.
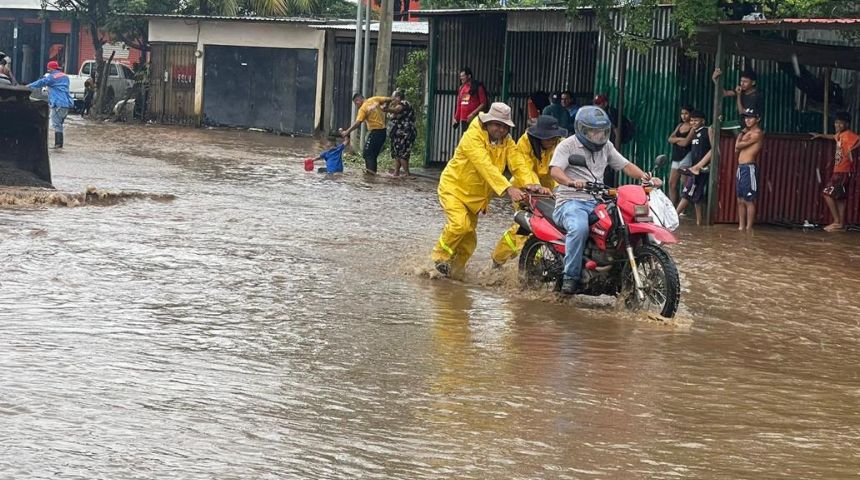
<point x="268" y="88"/>
<point x="474" y="41"/>
<point x="172" y="79"/>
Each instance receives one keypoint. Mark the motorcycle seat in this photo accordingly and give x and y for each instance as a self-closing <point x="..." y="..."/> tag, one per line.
<point x="546" y="206"/>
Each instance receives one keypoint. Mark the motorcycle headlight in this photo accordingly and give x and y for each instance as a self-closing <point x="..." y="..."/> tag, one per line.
<point x="640" y="210"/>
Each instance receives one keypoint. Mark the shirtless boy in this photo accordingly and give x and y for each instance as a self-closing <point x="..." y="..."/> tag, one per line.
<point x="748" y="145"/>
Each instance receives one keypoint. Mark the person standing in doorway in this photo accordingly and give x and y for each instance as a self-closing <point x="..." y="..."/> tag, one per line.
<point x="847" y="144"/>
<point x="680" y="140"/>
<point x="471" y="100"/>
<point x="748" y="145"/>
<point x="59" y="99"/>
<point x="372" y="112"/>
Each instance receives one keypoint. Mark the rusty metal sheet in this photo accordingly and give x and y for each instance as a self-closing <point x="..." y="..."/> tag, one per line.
<point x="173" y="77"/>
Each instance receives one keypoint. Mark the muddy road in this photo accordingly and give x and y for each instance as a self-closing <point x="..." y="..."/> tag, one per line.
<point x="269" y="323"/>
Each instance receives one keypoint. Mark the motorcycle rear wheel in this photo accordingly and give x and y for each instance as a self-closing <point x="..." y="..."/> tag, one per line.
<point x="541" y="266"/>
<point x="659" y="274"/>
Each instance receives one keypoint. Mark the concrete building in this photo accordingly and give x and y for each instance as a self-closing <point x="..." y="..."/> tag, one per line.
<point x="244" y="72"/>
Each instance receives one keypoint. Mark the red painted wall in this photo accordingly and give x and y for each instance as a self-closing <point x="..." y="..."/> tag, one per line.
<point x="88" y="52"/>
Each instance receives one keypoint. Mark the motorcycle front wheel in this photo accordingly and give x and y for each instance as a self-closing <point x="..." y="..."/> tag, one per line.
<point x="659" y="275"/>
<point x="541" y="266"/>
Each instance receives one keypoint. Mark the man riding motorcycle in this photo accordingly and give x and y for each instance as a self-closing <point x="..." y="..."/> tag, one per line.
<point x="591" y="140"/>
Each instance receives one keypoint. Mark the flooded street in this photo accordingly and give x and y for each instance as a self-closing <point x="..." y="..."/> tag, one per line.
<point x="268" y="323"/>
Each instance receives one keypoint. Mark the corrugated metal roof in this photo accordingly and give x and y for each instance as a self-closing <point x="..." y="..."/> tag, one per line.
<point x="477" y="11"/>
<point x="220" y="18"/>
<point x="412" y="28"/>
<point x="794" y="24"/>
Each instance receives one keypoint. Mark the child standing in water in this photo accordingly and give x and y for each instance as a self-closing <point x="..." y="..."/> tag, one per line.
<point x="333" y="158"/>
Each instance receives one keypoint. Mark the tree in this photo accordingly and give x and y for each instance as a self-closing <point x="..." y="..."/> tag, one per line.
<point x="93" y="14"/>
<point x="275" y="7"/>
<point x="689" y="14"/>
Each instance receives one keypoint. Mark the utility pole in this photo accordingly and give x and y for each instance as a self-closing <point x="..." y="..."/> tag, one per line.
<point x="383" y="49"/>
<point x="356" y="71"/>
<point x="365" y="67"/>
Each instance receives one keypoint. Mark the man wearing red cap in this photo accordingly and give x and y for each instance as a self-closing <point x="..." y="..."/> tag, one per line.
<point x="58" y="98"/>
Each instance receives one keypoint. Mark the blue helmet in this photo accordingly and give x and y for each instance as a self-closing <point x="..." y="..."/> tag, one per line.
<point x="592" y="126"/>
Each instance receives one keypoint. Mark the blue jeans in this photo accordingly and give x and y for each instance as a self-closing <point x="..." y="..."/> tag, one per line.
<point x="573" y="216"/>
<point x="58" y="116"/>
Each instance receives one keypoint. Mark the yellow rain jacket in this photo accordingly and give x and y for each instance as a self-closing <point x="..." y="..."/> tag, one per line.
<point x="540" y="166"/>
<point x="510" y="244"/>
<point x="469" y="180"/>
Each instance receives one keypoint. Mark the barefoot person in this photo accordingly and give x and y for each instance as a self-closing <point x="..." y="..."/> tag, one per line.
<point x="847" y="144"/>
<point x="402" y="132"/>
<point x="748" y="145"/>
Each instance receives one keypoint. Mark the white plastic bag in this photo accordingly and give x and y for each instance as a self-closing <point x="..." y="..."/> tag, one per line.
<point x="663" y="211"/>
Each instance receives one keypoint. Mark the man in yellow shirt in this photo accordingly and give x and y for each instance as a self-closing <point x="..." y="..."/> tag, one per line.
<point x="472" y="176"/>
<point x="537" y="146"/>
<point x="371" y="112"/>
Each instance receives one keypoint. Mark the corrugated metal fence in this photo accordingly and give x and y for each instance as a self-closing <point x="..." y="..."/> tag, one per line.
<point x="793" y="171"/>
<point x="172" y="79"/>
<point x="344" y="59"/>
<point x="469" y="41"/>
<point x="548" y="61"/>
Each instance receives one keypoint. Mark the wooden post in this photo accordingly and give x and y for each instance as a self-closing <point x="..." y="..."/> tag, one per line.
<point x="713" y="180"/>
<point x="826" y="120"/>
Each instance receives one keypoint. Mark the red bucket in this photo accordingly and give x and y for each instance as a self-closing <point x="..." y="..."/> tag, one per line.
<point x="309" y="165"/>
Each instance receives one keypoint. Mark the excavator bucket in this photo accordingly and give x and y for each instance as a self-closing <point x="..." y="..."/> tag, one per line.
<point x="23" y="139"/>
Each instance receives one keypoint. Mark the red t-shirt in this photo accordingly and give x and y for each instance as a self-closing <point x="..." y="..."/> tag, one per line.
<point x="845" y="143"/>
<point x="467" y="103"/>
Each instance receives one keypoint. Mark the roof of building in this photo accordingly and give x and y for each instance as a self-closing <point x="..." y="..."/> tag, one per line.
<point x="410" y="28"/>
<point x="22" y="5"/>
<point x="793" y="24"/>
<point x="461" y="11"/>
<point x="224" y="18"/>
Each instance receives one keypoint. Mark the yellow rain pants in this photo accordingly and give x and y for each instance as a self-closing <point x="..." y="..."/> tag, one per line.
<point x="510" y="244"/>
<point x="468" y="181"/>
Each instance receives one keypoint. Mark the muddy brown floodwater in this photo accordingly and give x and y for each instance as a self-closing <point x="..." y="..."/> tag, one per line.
<point x="268" y="323"/>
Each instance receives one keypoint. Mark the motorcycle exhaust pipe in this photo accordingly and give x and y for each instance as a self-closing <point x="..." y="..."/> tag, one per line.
<point x="522" y="218"/>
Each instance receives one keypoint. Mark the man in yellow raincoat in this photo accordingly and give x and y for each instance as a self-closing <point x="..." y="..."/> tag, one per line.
<point x="470" y="178"/>
<point x="537" y="146"/>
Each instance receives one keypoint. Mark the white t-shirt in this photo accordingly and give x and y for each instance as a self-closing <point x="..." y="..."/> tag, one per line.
<point x="597" y="163"/>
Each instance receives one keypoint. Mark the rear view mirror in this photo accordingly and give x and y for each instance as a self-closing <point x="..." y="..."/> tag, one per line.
<point x="577" y="160"/>
<point x="660" y="161"/>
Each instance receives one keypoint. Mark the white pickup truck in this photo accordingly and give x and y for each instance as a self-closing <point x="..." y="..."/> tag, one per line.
<point x="120" y="79"/>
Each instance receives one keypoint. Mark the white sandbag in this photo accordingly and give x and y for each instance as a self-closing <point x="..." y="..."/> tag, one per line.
<point x="663" y="211"/>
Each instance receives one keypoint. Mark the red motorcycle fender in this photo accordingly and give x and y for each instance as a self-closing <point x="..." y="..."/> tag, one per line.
<point x="660" y="233"/>
<point x="544" y="230"/>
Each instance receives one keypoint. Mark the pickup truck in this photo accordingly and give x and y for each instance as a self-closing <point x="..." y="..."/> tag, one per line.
<point x="120" y="79"/>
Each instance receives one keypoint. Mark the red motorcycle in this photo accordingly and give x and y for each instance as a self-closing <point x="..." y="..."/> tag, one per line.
<point x="623" y="255"/>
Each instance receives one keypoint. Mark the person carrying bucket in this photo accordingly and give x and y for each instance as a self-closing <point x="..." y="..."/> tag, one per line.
<point x="536" y="145"/>
<point x="469" y="180"/>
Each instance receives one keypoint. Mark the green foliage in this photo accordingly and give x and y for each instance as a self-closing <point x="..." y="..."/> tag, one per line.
<point x="411" y="79"/>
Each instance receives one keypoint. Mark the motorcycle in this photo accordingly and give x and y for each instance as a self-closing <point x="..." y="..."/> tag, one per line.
<point x="623" y="255"/>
